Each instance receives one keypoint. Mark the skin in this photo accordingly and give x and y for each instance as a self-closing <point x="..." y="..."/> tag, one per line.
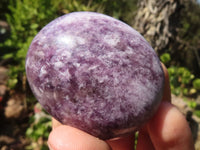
<point x="167" y="130"/>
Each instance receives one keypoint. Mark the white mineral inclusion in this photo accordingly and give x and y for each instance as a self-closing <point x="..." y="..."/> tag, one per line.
<point x="69" y="41"/>
<point x="58" y="65"/>
<point x="43" y="71"/>
<point x="112" y="39"/>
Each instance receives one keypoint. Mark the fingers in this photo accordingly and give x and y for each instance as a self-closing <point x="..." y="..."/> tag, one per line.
<point x="68" y="138"/>
<point x="123" y="143"/>
<point x="169" y="129"/>
<point x="144" y="141"/>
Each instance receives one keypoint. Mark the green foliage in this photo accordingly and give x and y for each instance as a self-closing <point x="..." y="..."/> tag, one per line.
<point x="196" y="83"/>
<point x="14" y="74"/>
<point x="180" y="81"/>
<point x="182" y="58"/>
<point x="187" y="53"/>
<point x="197" y="113"/>
<point x="136" y="139"/>
<point x="165" y="58"/>
<point x="3" y="9"/>
<point x="25" y="19"/>
<point x="194" y="106"/>
<point x="39" y="129"/>
<point x="180" y="77"/>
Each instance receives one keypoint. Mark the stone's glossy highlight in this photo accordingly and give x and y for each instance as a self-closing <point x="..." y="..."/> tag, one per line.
<point x="95" y="73"/>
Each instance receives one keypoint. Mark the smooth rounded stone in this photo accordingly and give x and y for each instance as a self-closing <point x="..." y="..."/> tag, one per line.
<point x="95" y="73"/>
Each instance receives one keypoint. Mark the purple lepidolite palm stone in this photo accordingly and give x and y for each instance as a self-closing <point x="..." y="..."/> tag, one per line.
<point x="95" y="73"/>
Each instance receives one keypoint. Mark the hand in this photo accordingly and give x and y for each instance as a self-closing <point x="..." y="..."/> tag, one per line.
<point x="167" y="130"/>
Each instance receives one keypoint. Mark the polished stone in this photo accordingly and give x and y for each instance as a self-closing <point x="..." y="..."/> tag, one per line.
<point x="95" y="73"/>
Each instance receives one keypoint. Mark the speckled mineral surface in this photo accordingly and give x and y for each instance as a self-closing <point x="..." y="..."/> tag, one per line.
<point x="95" y="73"/>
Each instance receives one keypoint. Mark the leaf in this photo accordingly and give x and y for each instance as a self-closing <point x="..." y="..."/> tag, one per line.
<point x="197" y="113"/>
<point x="196" y="83"/>
<point x="7" y="56"/>
<point x="165" y="58"/>
<point x="12" y="83"/>
<point x="192" y="104"/>
<point x="34" y="26"/>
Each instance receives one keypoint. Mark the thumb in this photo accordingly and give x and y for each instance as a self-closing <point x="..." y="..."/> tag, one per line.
<point x="69" y="138"/>
<point x="169" y="129"/>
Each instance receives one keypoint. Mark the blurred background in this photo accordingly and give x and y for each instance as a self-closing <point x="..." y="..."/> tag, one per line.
<point x="172" y="27"/>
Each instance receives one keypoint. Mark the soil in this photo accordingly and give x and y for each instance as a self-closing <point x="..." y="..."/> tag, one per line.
<point x="14" y="116"/>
